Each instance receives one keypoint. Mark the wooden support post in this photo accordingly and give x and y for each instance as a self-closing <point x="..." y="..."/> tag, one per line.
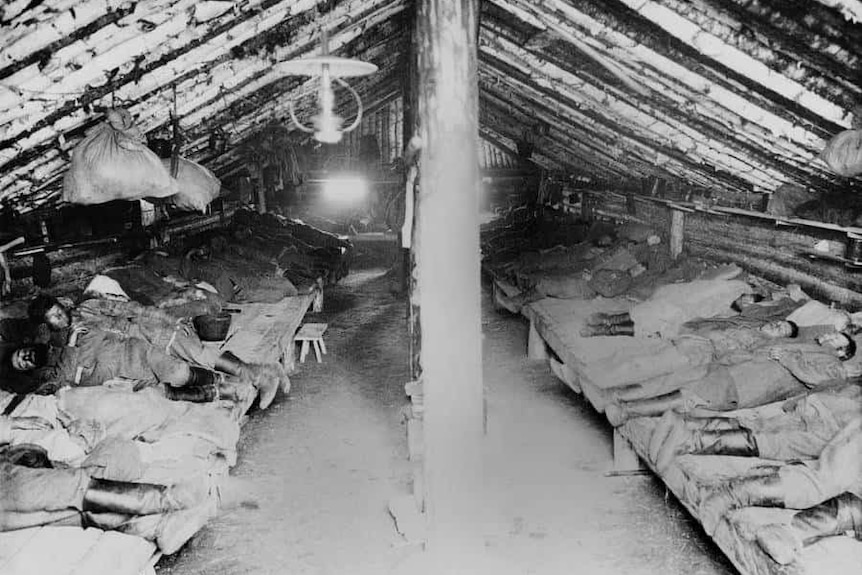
<point x="261" y="196"/>
<point x="565" y="374"/>
<point x="536" y="346"/>
<point x="447" y="256"/>
<point x="625" y="457"/>
<point x="677" y="226"/>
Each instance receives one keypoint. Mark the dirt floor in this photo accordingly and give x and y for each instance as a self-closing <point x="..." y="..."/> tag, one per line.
<point x="321" y="465"/>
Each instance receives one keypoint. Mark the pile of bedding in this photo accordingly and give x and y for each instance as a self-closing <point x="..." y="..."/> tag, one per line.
<point x="111" y="433"/>
<point x="628" y="260"/>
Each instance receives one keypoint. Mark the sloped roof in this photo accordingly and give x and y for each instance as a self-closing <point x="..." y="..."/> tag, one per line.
<point x="731" y="95"/>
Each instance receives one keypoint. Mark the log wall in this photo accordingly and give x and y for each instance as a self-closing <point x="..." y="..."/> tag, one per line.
<point x="773" y="250"/>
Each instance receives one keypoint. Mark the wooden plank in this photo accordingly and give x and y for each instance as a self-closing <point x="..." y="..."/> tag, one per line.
<point x="536" y="348"/>
<point x="625" y="456"/>
<point x="677" y="226"/>
<point x="263" y="333"/>
<point x="565" y="374"/>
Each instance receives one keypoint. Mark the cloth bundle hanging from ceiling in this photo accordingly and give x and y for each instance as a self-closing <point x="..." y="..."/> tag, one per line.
<point x="113" y="162"/>
<point x="843" y="153"/>
<point x="196" y="186"/>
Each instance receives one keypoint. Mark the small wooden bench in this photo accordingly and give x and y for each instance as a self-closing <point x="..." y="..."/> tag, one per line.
<point x="311" y="333"/>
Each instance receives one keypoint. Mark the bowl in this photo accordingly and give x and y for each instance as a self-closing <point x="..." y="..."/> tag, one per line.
<point x="212" y="327"/>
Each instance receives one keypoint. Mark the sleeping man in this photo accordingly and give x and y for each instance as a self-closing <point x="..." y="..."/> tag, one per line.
<point x="146" y="344"/>
<point x="827" y="490"/>
<point x="741" y="380"/>
<point x="801" y="430"/>
<point x="670" y="306"/>
<point x="128" y="318"/>
<point x="685" y="351"/>
<point x="92" y="358"/>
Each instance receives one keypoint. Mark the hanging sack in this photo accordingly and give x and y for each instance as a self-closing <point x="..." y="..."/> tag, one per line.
<point x="843" y="153"/>
<point x="113" y="162"/>
<point x="196" y="186"/>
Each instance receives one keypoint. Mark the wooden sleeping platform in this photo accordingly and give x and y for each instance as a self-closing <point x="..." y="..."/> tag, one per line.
<point x="259" y="333"/>
<point x="554" y="334"/>
<point x="263" y="332"/>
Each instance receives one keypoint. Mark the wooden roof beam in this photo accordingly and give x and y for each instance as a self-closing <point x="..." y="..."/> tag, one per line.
<point x="575" y="116"/>
<point x="665" y="118"/>
<point x="714" y="41"/>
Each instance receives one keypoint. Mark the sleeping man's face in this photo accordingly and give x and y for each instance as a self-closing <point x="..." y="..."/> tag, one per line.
<point x="24" y="359"/>
<point x="780" y="328"/>
<point x="58" y="317"/>
<point x="838" y="341"/>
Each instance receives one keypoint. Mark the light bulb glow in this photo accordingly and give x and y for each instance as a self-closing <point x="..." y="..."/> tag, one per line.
<point x="345" y="190"/>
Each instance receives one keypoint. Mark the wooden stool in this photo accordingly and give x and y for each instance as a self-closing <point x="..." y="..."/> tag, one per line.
<point x="311" y="333"/>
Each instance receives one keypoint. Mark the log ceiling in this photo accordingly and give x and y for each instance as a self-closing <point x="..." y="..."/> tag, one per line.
<point x="731" y="96"/>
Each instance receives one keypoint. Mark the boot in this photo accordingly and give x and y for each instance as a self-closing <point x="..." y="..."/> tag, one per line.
<point x="762" y="491"/>
<point x="200" y="377"/>
<point x="267" y="379"/>
<point x="619" y="413"/>
<point x="626" y="328"/>
<point x="681" y="439"/>
<point x="170" y="530"/>
<point x="833" y="517"/>
<point x="194" y="393"/>
<point x="609" y="319"/>
<point x="229" y="363"/>
<point x="104" y="495"/>
<point x="618" y="318"/>
<point x="597" y="319"/>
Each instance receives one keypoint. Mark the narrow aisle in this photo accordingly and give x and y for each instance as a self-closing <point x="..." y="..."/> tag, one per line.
<point x="553" y="510"/>
<point x="321" y="465"/>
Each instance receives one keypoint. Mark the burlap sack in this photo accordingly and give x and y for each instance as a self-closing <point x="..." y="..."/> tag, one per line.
<point x="113" y="162"/>
<point x="843" y="153"/>
<point x="196" y="186"/>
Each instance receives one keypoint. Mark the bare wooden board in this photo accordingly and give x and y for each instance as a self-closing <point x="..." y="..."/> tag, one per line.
<point x="263" y="332"/>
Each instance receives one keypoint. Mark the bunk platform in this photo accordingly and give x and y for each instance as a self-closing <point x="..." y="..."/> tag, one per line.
<point x="259" y="333"/>
<point x="554" y="334"/>
<point x="263" y="332"/>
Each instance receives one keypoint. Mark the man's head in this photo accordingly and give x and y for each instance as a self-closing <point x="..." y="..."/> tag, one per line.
<point x="29" y="357"/>
<point x="745" y="300"/>
<point x="604" y="240"/>
<point x="46" y="308"/>
<point x="780" y="328"/>
<point x="843" y="344"/>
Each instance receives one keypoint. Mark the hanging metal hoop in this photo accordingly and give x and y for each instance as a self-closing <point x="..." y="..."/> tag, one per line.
<point x="358" y="119"/>
<point x="350" y="128"/>
<point x="296" y="120"/>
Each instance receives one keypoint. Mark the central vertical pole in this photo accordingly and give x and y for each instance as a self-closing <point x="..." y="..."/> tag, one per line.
<point x="447" y="250"/>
